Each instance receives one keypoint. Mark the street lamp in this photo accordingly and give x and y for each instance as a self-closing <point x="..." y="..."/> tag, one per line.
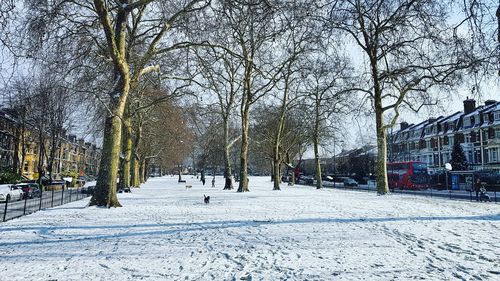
<point x="448" y="168"/>
<point x="180" y="165"/>
<point x="335" y="164"/>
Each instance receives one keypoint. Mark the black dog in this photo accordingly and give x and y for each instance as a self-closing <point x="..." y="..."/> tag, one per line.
<point x="206" y="199"/>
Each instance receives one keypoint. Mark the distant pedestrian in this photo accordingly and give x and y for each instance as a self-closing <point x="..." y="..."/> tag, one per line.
<point x="203" y="181"/>
<point x="213" y="182"/>
<point x="477" y="188"/>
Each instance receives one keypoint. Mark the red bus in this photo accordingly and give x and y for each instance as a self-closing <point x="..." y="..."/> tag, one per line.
<point x="407" y="175"/>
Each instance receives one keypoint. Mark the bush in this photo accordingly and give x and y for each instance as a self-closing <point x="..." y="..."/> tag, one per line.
<point x="9" y="176"/>
<point x="70" y="174"/>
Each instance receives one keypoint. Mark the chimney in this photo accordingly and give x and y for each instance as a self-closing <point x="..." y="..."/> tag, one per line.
<point x="404" y="125"/>
<point x="469" y="105"/>
<point x="490" y="102"/>
<point x="432" y="120"/>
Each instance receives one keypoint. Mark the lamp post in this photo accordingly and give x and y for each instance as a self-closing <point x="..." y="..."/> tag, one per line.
<point x="448" y="168"/>
<point x="180" y="166"/>
<point x="334" y="163"/>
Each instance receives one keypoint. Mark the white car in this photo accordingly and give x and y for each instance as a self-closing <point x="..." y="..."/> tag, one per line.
<point x="9" y="192"/>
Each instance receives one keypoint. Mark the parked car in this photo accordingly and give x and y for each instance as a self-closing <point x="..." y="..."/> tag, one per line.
<point x="489" y="177"/>
<point x="30" y="190"/>
<point x="10" y="193"/>
<point x="124" y="189"/>
<point x="350" y="182"/>
<point x="327" y="178"/>
<point x="88" y="189"/>
<point x="306" y="180"/>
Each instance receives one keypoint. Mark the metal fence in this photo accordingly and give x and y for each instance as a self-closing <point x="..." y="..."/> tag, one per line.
<point x="446" y="194"/>
<point x="47" y="199"/>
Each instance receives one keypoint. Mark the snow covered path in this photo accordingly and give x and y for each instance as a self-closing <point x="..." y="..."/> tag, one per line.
<point x="165" y="232"/>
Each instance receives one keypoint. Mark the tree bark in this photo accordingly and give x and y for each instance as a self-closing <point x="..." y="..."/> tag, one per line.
<point x="276" y="174"/>
<point x="228" y="184"/>
<point x="135" y="165"/>
<point x="127" y="153"/>
<point x="16" y="158"/>
<point x="105" y="194"/>
<point x="382" y="186"/>
<point x="142" y="171"/>
<point x="41" y="154"/>
<point x="135" y="172"/>
<point x="245" y="122"/>
<point x="319" y="181"/>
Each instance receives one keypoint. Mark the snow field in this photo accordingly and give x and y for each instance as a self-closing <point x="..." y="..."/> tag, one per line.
<point x="166" y="232"/>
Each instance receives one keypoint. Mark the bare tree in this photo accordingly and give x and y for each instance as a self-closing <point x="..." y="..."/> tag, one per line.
<point x="324" y="82"/>
<point x="221" y="76"/>
<point x="408" y="48"/>
<point x="127" y="35"/>
<point x="300" y="38"/>
<point x="253" y="25"/>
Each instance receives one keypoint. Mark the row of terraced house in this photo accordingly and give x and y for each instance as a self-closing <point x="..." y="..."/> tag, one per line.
<point x="72" y="155"/>
<point x="477" y="129"/>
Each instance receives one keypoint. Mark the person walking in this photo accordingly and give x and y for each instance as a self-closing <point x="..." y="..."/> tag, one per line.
<point x="477" y="187"/>
<point x="203" y="177"/>
<point x="213" y="182"/>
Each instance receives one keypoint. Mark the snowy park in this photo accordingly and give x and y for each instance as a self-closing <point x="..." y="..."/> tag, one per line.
<point x="166" y="232"/>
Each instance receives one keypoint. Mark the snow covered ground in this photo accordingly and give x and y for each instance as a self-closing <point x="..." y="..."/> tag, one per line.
<point x="166" y="232"/>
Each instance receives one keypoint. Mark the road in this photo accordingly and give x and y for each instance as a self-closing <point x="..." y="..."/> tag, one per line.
<point x="451" y="194"/>
<point x="48" y="199"/>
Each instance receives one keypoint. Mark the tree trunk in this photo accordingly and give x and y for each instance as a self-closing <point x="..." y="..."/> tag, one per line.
<point x="41" y="153"/>
<point x="382" y="183"/>
<point x="245" y="122"/>
<point x="228" y="175"/>
<point x="52" y="156"/>
<point x="319" y="181"/>
<point x="16" y="158"/>
<point x="228" y="184"/>
<point x="135" y="180"/>
<point x="272" y="169"/>
<point x="135" y="172"/>
<point x="382" y="186"/>
<point x="276" y="173"/>
<point x="278" y="136"/>
<point x="127" y="153"/>
<point x="142" y="171"/>
<point x="105" y="194"/>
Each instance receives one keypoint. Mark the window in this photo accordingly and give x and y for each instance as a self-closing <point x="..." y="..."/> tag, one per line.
<point x="451" y="141"/>
<point x="467" y="122"/>
<point x="451" y="126"/>
<point x="497" y="116"/>
<point x="476" y="120"/>
<point x="493" y="154"/>
<point x="467" y="138"/>
<point x="486" y="117"/>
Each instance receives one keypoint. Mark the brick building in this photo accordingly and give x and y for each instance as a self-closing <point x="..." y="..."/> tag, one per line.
<point x="477" y="129"/>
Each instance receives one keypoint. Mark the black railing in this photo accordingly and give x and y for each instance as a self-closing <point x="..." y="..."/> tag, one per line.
<point x="46" y="199"/>
<point x="467" y="195"/>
